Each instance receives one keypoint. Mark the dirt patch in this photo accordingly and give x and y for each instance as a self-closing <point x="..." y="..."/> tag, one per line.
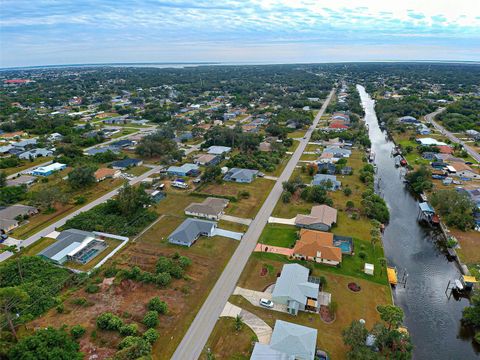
<point x="325" y="314"/>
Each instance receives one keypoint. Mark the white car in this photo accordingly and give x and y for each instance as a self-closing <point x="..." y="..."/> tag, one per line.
<point x="266" y="303"/>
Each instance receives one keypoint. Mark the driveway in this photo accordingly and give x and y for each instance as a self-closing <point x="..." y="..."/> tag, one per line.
<point x="273" y="249"/>
<point x="236" y="219"/>
<point x="268" y="177"/>
<point x="228" y="234"/>
<point x="274" y="220"/>
<point x="254" y="297"/>
<point x="258" y="326"/>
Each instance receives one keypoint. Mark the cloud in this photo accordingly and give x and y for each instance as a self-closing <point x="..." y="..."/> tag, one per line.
<point x="63" y="28"/>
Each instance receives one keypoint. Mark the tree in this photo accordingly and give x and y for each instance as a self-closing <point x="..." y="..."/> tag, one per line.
<point x="375" y="237"/>
<point x="14" y="249"/>
<point x="391" y="314"/>
<point x="151" y="335"/>
<point x="211" y="173"/>
<point x="355" y="335"/>
<point x="455" y="207"/>
<point x="133" y="347"/>
<point x="82" y="177"/>
<point x="131" y="199"/>
<point x="150" y="320"/>
<point x="158" y="145"/>
<point x="47" y="196"/>
<point x="155" y="304"/>
<point x="46" y="344"/>
<point x="471" y="314"/>
<point x="238" y="323"/>
<point x="77" y="331"/>
<point x="3" y="179"/>
<point x="420" y="180"/>
<point x="10" y="299"/>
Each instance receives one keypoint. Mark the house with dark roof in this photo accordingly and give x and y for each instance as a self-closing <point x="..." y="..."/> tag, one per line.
<point x="326" y="168"/>
<point x="11" y="216"/>
<point x="126" y="163"/>
<point x="207" y="159"/>
<point x="211" y="208"/>
<point x="289" y="341"/>
<point x="324" y="180"/>
<point x="102" y="150"/>
<point x="321" y="217"/>
<point x="190" y="230"/>
<point x="294" y="289"/>
<point x="241" y="175"/>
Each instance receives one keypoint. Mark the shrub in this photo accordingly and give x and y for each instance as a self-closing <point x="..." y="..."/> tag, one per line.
<point x="92" y="288"/>
<point x="163" y="279"/>
<point x="362" y="255"/>
<point x="244" y="194"/>
<point x="80" y="200"/>
<point x="184" y="262"/>
<point x="164" y="264"/>
<point x="176" y="271"/>
<point x="347" y="191"/>
<point x="109" y="321"/>
<point x="81" y="301"/>
<point x="151" y="335"/>
<point x="286" y="197"/>
<point x="111" y="272"/>
<point x="77" y="331"/>
<point x="129" y="329"/>
<point x="133" y="347"/>
<point x="150" y="319"/>
<point x="155" y="304"/>
<point x="60" y="308"/>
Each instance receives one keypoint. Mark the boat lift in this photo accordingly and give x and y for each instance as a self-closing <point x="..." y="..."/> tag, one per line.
<point x="460" y="287"/>
<point x="392" y="275"/>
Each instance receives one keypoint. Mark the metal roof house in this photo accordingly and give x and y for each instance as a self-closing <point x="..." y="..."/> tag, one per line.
<point x="34" y="153"/>
<point x="240" y="175"/>
<point x="294" y="289"/>
<point x="101" y="150"/>
<point x="48" y="169"/>
<point x="219" y="150"/>
<point x="74" y="245"/>
<point x="126" y="163"/>
<point x="10" y="214"/>
<point x="184" y="170"/>
<point x="190" y="230"/>
<point x="289" y="341"/>
<point x="321" y="217"/>
<point x="323" y="179"/>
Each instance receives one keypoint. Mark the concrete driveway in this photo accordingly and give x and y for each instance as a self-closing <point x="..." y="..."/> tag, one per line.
<point x="258" y="326"/>
<point x="273" y="249"/>
<point x="228" y="234"/>
<point x="236" y="219"/>
<point x="254" y="297"/>
<point x="275" y="220"/>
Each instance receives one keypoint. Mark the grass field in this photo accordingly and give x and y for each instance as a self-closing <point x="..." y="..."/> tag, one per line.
<point x="351" y="306"/>
<point x="137" y="170"/>
<point x="227" y="343"/>
<point x="245" y="208"/>
<point x="279" y="235"/>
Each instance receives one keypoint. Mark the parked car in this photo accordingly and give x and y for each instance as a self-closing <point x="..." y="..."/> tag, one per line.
<point x="266" y="303"/>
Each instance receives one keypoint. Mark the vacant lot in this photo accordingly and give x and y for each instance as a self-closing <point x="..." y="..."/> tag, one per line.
<point x="279" y="235"/>
<point x="227" y="343"/>
<point x="245" y="208"/>
<point x="351" y="306"/>
<point x="469" y="241"/>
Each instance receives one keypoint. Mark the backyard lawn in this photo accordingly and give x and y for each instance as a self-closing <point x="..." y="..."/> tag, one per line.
<point x="227" y="343"/>
<point x="279" y="235"/>
<point x="351" y="306"/>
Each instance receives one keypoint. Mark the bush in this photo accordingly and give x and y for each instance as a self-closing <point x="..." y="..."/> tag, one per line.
<point x="128" y="330"/>
<point x="151" y="335"/>
<point x="109" y="321"/>
<point x="81" y="301"/>
<point x="111" y="272"/>
<point x="92" y="288"/>
<point x="133" y="347"/>
<point x="362" y="255"/>
<point x="184" y="262"/>
<point x="163" y="279"/>
<point x="347" y="191"/>
<point x="60" y="308"/>
<point x="150" y="320"/>
<point x="244" y="194"/>
<point x="286" y="197"/>
<point x="77" y="331"/>
<point x="155" y="304"/>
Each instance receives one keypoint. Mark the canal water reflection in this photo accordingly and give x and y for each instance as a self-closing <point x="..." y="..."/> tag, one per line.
<point x="433" y="319"/>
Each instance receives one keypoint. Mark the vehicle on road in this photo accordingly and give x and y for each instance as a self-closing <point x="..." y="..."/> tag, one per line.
<point x="266" y="303"/>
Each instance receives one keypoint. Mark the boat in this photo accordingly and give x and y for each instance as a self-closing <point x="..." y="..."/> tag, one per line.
<point x="458" y="285"/>
<point x="392" y="276"/>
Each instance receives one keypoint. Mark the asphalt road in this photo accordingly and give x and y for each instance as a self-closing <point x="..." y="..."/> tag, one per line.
<point x="42" y="233"/>
<point x="197" y="335"/>
<point x="430" y="118"/>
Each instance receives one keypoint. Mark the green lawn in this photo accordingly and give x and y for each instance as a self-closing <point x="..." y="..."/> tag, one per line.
<point x="38" y="246"/>
<point x="279" y="235"/>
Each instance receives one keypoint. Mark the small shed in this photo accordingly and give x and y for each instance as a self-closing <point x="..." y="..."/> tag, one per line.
<point x="369" y="269"/>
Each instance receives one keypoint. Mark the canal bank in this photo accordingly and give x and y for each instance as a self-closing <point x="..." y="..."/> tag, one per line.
<point x="432" y="318"/>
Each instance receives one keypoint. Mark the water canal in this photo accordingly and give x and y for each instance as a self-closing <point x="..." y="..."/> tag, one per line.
<point x="432" y="318"/>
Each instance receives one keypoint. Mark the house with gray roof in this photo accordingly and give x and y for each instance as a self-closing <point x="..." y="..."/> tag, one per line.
<point x="184" y="170"/>
<point x="211" y="208"/>
<point x="241" y="175"/>
<point x="325" y="179"/>
<point x="34" y="153"/>
<point x="289" y="342"/>
<point x="294" y="289"/>
<point x="219" y="150"/>
<point x="74" y="245"/>
<point x="190" y="230"/>
<point x="337" y="151"/>
<point x="102" y="150"/>
<point x="26" y="180"/>
<point x="10" y="217"/>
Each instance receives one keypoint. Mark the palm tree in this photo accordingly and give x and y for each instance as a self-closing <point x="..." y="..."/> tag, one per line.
<point x="238" y="323"/>
<point x="15" y="250"/>
<point x="383" y="262"/>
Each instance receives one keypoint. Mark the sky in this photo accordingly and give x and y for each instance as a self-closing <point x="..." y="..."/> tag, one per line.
<point x="52" y="32"/>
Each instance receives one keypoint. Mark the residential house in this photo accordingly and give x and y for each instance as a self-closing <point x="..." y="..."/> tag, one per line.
<point x="427" y="155"/>
<point x="26" y="180"/>
<point x="346" y="170"/>
<point x="34" y="153"/>
<point x="190" y="230"/>
<point x="265" y="146"/>
<point x="219" y="150"/>
<point x="408" y="120"/>
<point x="464" y="171"/>
<point x="126" y="163"/>
<point x="474" y="134"/>
<point x="12" y="135"/>
<point x="11" y="216"/>
<point x="324" y="179"/>
<point x="26" y="143"/>
<point x="211" y="208"/>
<point x="317" y="246"/>
<point x="321" y="217"/>
<point x="184" y="170"/>
<point x="5" y="149"/>
<point x="124" y="143"/>
<point x="106" y="173"/>
<point x="102" y="150"/>
<point x="55" y="137"/>
<point x="338" y="151"/>
<point x="423" y="130"/>
<point x="326" y="168"/>
<point x="289" y="341"/>
<point x="74" y="245"/>
<point x="48" y="170"/>
<point x="294" y="289"/>
<point x="429" y="142"/>
<point x="445" y="149"/>
<point x="207" y="159"/>
<point x="241" y="175"/>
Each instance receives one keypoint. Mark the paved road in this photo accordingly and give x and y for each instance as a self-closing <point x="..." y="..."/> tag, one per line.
<point x="42" y="233"/>
<point x="197" y="335"/>
<point x="430" y="118"/>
